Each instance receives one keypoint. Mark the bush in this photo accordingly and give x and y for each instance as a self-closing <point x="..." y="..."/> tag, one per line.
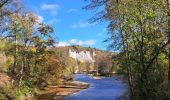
<point x="6" y="93"/>
<point x="25" y="90"/>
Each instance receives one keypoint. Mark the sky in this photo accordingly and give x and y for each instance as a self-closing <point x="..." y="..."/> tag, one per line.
<point x="70" y="22"/>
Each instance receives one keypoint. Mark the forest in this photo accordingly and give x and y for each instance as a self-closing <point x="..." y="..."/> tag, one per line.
<point x="138" y="29"/>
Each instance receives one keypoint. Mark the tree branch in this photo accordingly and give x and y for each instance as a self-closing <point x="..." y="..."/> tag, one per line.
<point x="3" y="3"/>
<point x="154" y="57"/>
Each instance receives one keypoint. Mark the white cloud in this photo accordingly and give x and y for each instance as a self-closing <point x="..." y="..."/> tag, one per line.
<point x="72" y="10"/>
<point x="52" y="8"/>
<point x="76" y="42"/>
<point x="81" y="42"/>
<point x="73" y="41"/>
<point x="82" y="25"/>
<point x="62" y="43"/>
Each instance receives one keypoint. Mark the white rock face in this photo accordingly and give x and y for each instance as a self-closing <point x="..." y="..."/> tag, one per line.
<point x="94" y="54"/>
<point x="83" y="56"/>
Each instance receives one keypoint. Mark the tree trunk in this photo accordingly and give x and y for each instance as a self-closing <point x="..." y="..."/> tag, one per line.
<point x="125" y="50"/>
<point x="168" y="4"/>
<point x="15" y="57"/>
<point x="143" y="77"/>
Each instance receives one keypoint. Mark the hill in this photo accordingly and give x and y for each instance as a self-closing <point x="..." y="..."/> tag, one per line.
<point x="78" y="59"/>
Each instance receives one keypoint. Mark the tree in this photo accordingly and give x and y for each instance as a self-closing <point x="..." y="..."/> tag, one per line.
<point x="28" y="42"/>
<point x="137" y="29"/>
<point x="168" y="15"/>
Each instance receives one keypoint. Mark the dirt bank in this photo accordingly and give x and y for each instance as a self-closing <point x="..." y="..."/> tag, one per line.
<point x="58" y="92"/>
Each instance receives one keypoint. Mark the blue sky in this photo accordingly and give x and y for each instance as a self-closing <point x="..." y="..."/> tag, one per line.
<point x="70" y="22"/>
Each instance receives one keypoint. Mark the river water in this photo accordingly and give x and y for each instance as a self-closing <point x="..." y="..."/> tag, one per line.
<point x="100" y="89"/>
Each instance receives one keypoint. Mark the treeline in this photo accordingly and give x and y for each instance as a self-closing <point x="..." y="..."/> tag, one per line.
<point x="140" y="31"/>
<point x="25" y="43"/>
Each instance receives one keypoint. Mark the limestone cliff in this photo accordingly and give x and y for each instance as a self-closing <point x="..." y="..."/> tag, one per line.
<point x="84" y="59"/>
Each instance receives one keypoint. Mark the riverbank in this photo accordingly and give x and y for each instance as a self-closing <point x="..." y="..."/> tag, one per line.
<point x="115" y="75"/>
<point x="58" y="92"/>
<point x="99" y="87"/>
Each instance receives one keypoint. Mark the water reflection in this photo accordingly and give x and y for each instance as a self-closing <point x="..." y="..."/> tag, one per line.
<point x="100" y="89"/>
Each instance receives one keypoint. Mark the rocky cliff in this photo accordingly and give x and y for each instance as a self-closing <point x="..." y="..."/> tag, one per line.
<point x="84" y="59"/>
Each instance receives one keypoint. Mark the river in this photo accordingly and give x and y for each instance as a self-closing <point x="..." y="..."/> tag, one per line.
<point x="108" y="88"/>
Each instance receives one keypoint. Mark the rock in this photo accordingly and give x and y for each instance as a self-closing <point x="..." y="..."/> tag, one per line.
<point x="83" y="56"/>
<point x="95" y="77"/>
<point x="43" y="84"/>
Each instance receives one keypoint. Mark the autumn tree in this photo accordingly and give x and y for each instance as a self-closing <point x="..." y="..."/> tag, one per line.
<point x="137" y="29"/>
<point x="28" y="41"/>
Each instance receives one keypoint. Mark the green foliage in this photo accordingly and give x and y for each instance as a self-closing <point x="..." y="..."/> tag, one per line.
<point x="26" y="44"/>
<point x="24" y="90"/>
<point x="6" y="93"/>
<point x="138" y="29"/>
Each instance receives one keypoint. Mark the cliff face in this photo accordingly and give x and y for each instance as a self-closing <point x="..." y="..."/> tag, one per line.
<point x="84" y="59"/>
<point x="82" y="56"/>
